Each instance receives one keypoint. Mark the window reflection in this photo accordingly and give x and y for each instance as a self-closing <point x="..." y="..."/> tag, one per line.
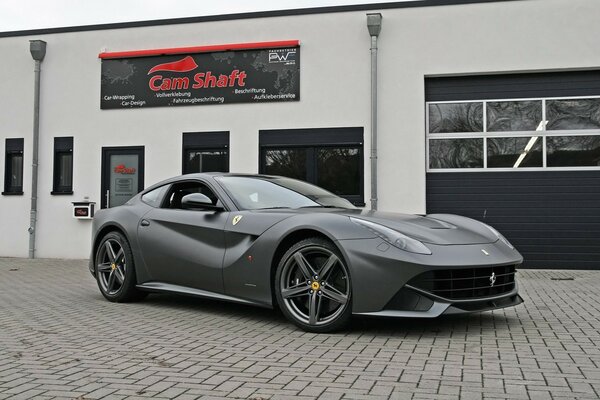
<point x="65" y="170"/>
<point x="206" y="161"/>
<point x="334" y="168"/>
<point x="513" y="115"/>
<point x="286" y="162"/>
<point x="15" y="175"/>
<point x="573" y="114"/>
<point x="455" y="117"/>
<point x="515" y="152"/>
<point x="510" y="121"/>
<point x="456" y="153"/>
<point x="339" y="170"/>
<point x="573" y="151"/>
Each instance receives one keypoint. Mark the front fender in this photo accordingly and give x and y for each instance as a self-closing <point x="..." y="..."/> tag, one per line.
<point x="250" y="278"/>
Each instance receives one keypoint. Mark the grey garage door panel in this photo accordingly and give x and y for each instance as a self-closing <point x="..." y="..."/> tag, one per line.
<point x="553" y="217"/>
<point x="583" y="187"/>
<point x="559" y="229"/>
<point x="536" y="211"/>
<point x="545" y="243"/>
<point x="558" y="221"/>
<point x="513" y="86"/>
<point x="504" y="200"/>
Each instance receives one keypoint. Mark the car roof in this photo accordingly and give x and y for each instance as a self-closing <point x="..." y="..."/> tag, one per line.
<point x="229" y="174"/>
<point x="206" y="175"/>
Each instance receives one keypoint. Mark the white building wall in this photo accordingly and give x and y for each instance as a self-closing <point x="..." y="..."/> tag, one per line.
<point x="16" y="121"/>
<point x="335" y="92"/>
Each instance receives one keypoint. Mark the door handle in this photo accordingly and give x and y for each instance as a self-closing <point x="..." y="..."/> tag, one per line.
<point x="145" y="222"/>
<point x="108" y="199"/>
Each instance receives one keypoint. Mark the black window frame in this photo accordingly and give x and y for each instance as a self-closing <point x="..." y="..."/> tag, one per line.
<point x="203" y="141"/>
<point x="13" y="147"/>
<point x="314" y="139"/>
<point x="62" y="146"/>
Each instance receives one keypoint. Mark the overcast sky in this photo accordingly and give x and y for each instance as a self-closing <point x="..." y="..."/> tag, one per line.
<point x="33" y="14"/>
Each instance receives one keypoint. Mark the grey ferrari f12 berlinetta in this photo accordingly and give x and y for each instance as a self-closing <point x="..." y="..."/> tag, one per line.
<point x="278" y="242"/>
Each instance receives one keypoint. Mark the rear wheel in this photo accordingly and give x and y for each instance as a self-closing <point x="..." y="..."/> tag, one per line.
<point x="312" y="285"/>
<point x="115" y="272"/>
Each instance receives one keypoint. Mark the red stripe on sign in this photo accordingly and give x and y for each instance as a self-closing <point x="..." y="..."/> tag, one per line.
<point x="184" y="65"/>
<point x="199" y="49"/>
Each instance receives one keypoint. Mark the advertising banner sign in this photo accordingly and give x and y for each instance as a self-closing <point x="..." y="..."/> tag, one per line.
<point x="238" y="76"/>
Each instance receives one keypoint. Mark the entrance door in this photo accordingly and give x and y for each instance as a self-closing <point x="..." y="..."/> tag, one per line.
<point x="122" y="174"/>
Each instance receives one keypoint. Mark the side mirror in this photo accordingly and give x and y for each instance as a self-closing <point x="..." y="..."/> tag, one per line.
<point x="198" y="201"/>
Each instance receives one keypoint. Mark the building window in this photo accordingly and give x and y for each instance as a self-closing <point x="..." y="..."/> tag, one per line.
<point x="63" y="166"/>
<point x="13" y="167"/>
<point x="537" y="133"/>
<point x="205" y="152"/>
<point x="331" y="158"/>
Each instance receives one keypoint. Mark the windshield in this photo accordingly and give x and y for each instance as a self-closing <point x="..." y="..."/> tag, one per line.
<point x="254" y="193"/>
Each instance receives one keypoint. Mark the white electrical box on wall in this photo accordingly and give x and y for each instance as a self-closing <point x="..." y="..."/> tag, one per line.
<point x="83" y="209"/>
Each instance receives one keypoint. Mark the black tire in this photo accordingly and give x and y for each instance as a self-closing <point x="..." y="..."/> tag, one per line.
<point x="110" y="270"/>
<point x="325" y="305"/>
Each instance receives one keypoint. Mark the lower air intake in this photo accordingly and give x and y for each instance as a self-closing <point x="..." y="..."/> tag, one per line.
<point x="467" y="283"/>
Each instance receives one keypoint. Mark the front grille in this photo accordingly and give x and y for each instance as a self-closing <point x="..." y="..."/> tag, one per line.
<point x="467" y="283"/>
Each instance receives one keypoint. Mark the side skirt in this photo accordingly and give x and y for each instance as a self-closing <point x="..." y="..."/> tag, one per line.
<point x="170" y="288"/>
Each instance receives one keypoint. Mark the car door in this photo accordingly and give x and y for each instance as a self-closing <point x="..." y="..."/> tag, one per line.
<point x="182" y="246"/>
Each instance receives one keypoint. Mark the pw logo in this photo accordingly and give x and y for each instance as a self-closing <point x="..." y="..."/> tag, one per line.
<point x="281" y="57"/>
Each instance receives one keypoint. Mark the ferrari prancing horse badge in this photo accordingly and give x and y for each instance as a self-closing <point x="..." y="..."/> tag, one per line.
<point x="236" y="219"/>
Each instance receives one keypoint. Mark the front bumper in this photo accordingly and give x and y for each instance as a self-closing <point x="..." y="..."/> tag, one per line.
<point x="379" y="272"/>
<point x="431" y="306"/>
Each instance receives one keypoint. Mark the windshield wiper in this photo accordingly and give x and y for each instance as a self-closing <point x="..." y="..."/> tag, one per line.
<point x="270" y="208"/>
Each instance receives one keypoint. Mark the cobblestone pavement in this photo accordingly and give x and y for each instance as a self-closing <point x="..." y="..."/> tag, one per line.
<point x="59" y="338"/>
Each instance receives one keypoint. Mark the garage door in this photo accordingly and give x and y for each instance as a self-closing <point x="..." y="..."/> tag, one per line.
<point x="522" y="153"/>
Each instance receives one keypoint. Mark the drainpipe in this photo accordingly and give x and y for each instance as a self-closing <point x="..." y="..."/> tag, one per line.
<point x="374" y="26"/>
<point x="38" y="51"/>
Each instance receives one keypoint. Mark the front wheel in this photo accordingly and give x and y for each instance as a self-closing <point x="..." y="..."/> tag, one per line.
<point x="312" y="286"/>
<point x="115" y="270"/>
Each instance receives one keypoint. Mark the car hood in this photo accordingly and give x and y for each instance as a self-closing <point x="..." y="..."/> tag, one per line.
<point x="440" y="229"/>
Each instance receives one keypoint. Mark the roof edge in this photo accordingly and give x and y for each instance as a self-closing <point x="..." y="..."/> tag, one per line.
<point x="248" y="15"/>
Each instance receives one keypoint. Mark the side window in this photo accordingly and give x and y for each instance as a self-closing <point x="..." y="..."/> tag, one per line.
<point x="205" y="152"/>
<point x="339" y="169"/>
<point x="13" y="167"/>
<point x="331" y="158"/>
<point x="179" y="190"/>
<point x="63" y="166"/>
<point x="487" y="135"/>
<point x="205" y="160"/>
<point x="154" y="197"/>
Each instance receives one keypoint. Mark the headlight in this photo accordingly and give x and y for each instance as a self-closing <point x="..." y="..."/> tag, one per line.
<point x="499" y="236"/>
<point x="393" y="237"/>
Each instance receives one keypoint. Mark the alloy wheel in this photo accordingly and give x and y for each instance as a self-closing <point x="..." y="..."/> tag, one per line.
<point x="314" y="285"/>
<point x="111" y="267"/>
